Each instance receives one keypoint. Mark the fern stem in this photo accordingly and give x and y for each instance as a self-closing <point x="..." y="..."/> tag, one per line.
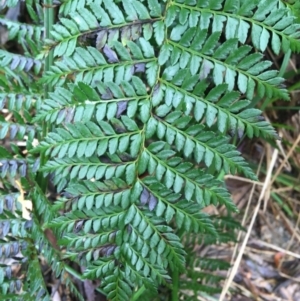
<point x="73" y="272"/>
<point x="78" y="276"/>
<point x="138" y="293"/>
<point x="48" y="23"/>
<point x="285" y="63"/>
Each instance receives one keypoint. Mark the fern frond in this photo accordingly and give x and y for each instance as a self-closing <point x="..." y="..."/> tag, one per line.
<point x="104" y="20"/>
<point x="218" y="103"/>
<point x="133" y="135"/>
<point x="23" y="31"/>
<point x="228" y="64"/>
<point x="15" y="248"/>
<point x="198" y="186"/>
<point x="20" y="101"/>
<point x="258" y="19"/>
<point x="205" y="146"/>
<point x="8" y="201"/>
<point x="92" y="66"/>
<point x="35" y="288"/>
<point x="140" y="119"/>
<point x="108" y="101"/>
<point x="89" y="139"/>
<point x="16" y="130"/>
<point x="12" y="166"/>
<point x="19" y="62"/>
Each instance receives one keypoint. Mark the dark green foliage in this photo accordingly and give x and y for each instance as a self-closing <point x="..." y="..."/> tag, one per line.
<point x="134" y="132"/>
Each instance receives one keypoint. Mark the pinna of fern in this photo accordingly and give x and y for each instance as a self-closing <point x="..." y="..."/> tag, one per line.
<point x="146" y="96"/>
<point x="19" y="97"/>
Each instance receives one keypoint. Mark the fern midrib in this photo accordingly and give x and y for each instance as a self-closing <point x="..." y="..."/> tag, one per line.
<point x="231" y="15"/>
<point x="98" y="266"/>
<point x="143" y="132"/>
<point x="70" y="219"/>
<point x="106" y="66"/>
<point x="71" y="164"/>
<point x="102" y="192"/>
<point x="91" y="236"/>
<point x="88" y="102"/>
<point x="51" y="145"/>
<point x="106" y="28"/>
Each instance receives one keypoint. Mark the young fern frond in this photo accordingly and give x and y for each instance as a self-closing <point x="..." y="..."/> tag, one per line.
<point x="136" y="133"/>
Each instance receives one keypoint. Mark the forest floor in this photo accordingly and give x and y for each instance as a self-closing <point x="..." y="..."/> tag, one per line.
<point x="267" y="266"/>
